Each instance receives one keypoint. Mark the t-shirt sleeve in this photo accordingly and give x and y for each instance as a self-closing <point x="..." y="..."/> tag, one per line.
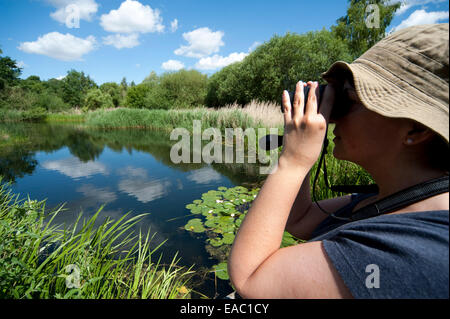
<point x="392" y="257"/>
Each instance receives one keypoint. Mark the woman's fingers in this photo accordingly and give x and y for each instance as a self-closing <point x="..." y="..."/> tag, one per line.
<point x="311" y="104"/>
<point x="287" y="107"/>
<point x="299" y="98"/>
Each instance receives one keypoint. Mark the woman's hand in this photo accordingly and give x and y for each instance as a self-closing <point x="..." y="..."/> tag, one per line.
<point x="305" y="127"/>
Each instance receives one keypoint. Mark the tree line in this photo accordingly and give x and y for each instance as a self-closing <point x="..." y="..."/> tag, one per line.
<point x="272" y="67"/>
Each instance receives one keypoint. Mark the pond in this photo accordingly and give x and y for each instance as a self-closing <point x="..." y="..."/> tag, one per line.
<point x="126" y="171"/>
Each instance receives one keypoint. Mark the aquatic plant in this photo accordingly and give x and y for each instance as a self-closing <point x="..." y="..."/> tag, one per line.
<point x="108" y="261"/>
<point x="220" y="213"/>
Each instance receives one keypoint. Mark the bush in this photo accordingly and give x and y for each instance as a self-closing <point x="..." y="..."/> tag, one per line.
<point x="96" y="99"/>
<point x="51" y="102"/>
<point x="136" y="96"/>
<point x="17" y="98"/>
<point x="114" y="91"/>
<point x="184" y="89"/>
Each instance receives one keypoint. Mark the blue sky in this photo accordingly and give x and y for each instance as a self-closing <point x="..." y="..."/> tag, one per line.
<point x="113" y="39"/>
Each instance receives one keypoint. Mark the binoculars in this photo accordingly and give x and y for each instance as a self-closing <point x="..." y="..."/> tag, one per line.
<point x="340" y="108"/>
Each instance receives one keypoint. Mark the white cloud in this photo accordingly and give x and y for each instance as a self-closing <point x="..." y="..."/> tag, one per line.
<point x="172" y="65"/>
<point x="422" y="17"/>
<point x="84" y="9"/>
<point x="21" y="64"/>
<point x="217" y="61"/>
<point x="254" y="46"/>
<point x="132" y="17"/>
<point x="74" y="168"/>
<point x="121" y="41"/>
<point x="174" y="25"/>
<point x="65" y="47"/>
<point x="61" y="77"/>
<point x="408" y="4"/>
<point x="202" y="42"/>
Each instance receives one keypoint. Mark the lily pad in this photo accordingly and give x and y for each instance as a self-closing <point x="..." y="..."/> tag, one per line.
<point x="195" y="225"/>
<point x="221" y="271"/>
<point x="216" y="242"/>
<point x="228" y="238"/>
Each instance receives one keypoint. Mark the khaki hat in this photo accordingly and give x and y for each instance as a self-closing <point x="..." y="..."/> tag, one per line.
<point x="405" y="75"/>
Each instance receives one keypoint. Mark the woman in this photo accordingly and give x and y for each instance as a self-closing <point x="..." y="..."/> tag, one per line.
<point x="396" y="127"/>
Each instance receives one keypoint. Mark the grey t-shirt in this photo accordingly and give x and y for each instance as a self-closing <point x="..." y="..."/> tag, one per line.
<point x="389" y="256"/>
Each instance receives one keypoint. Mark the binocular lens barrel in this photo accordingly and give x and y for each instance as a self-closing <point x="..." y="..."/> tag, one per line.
<point x="306" y="94"/>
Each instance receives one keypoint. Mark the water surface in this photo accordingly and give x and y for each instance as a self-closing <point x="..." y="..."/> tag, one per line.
<point x="124" y="170"/>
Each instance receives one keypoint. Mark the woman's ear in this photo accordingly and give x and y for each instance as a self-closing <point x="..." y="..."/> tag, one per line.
<point x="418" y="134"/>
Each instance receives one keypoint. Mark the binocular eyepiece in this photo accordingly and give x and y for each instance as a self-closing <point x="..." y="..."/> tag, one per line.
<point x="339" y="109"/>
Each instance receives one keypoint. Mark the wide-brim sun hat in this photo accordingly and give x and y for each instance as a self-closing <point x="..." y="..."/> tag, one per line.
<point x="405" y="75"/>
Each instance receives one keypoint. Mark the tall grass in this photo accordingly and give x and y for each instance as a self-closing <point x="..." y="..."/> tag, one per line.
<point x="267" y="114"/>
<point x="42" y="260"/>
<point x="253" y="115"/>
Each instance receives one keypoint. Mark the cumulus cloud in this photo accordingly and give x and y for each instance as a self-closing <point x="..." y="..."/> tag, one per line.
<point x="405" y="5"/>
<point x="66" y="9"/>
<point x="121" y="41"/>
<point x="132" y="17"/>
<point x="172" y="65"/>
<point x="217" y="61"/>
<point x="201" y="43"/>
<point x="174" y="25"/>
<point x="422" y="17"/>
<point x="64" y="47"/>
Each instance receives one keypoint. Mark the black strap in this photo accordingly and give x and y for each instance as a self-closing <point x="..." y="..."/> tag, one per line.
<point x="403" y="198"/>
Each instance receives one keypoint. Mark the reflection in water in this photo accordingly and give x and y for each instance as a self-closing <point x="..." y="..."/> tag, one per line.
<point x="205" y="175"/>
<point x="74" y="168"/>
<point x="94" y="197"/>
<point x="144" y="190"/>
<point x="137" y="183"/>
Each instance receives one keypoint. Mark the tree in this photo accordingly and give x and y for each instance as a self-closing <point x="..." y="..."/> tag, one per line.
<point x="113" y="90"/>
<point x="136" y="96"/>
<point x="75" y="87"/>
<point x="184" y="89"/>
<point x="357" y="28"/>
<point x="96" y="99"/>
<point x="152" y="79"/>
<point x="33" y="84"/>
<point x="9" y="72"/>
<point x="275" y="66"/>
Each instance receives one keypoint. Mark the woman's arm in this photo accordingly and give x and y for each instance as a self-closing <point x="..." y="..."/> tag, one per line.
<point x="305" y="214"/>
<point x="257" y="265"/>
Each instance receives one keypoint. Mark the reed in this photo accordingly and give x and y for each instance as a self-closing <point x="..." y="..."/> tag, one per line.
<point x="228" y="117"/>
<point x="42" y="260"/>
